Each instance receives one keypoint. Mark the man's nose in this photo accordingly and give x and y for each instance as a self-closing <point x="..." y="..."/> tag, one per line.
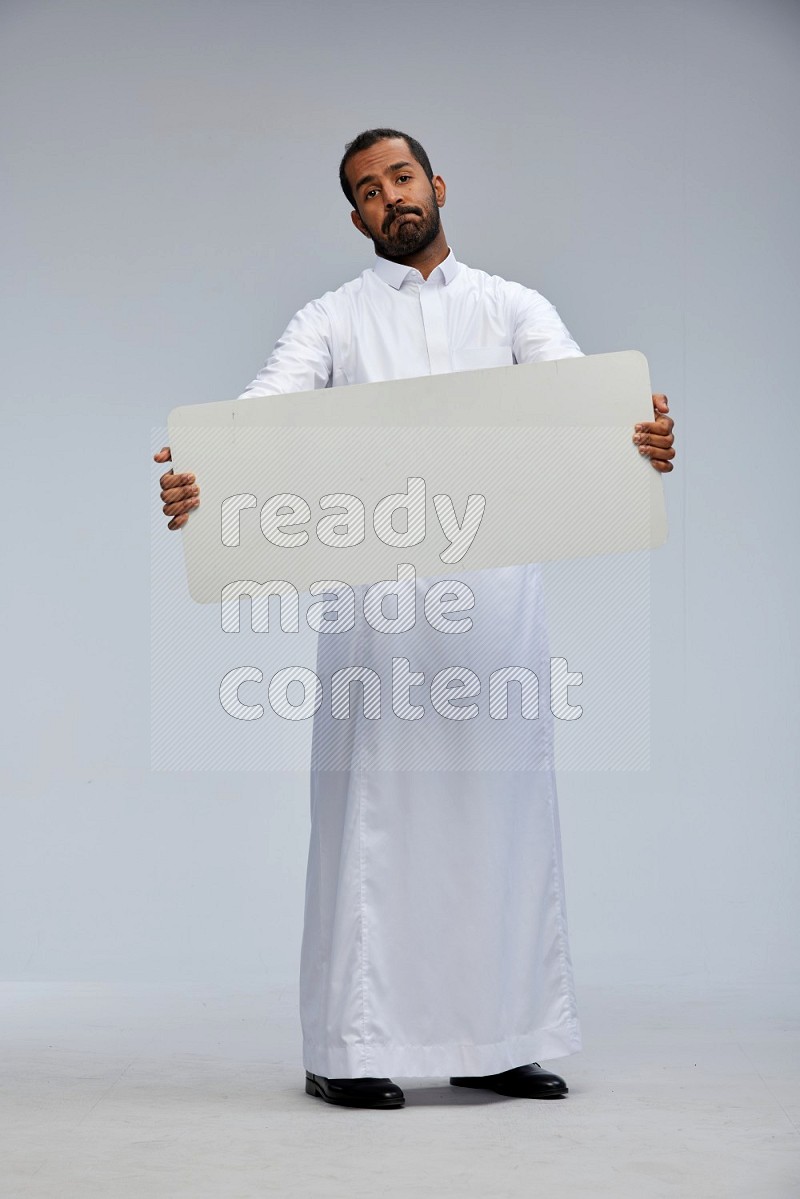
<point x="394" y="196"/>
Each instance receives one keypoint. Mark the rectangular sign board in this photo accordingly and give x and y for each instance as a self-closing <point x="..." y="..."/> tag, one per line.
<point x="449" y="473"/>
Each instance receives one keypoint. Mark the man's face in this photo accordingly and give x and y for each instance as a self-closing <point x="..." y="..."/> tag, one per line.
<point x="398" y="206"/>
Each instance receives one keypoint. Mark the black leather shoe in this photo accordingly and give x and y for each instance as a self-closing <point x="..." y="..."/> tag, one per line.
<point x="355" y="1092"/>
<point x="523" y="1082"/>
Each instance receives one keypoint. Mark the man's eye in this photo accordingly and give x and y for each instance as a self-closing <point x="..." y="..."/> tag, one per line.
<point x="401" y="178"/>
<point x="372" y="191"/>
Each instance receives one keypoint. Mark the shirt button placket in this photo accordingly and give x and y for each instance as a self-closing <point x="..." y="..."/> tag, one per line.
<point x="432" y="304"/>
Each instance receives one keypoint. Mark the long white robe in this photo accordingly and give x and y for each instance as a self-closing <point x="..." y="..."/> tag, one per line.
<point x="435" y="939"/>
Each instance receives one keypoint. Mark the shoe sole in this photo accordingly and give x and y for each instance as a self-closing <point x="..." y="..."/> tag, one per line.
<point x="511" y="1094"/>
<point x="313" y="1089"/>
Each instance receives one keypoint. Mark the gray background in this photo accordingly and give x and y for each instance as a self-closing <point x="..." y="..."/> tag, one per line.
<point x="173" y="200"/>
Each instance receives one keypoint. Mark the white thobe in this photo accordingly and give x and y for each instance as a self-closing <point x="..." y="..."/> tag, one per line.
<point x="435" y="938"/>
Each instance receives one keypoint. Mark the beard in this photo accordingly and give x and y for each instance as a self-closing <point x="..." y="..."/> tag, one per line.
<point x="399" y="238"/>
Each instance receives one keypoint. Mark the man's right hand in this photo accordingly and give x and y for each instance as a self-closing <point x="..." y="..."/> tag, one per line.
<point x="179" y="493"/>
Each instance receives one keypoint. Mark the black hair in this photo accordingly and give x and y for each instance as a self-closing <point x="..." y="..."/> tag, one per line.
<point x="368" y="138"/>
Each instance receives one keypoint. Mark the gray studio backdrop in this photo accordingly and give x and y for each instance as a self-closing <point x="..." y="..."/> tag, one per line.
<point x="172" y="201"/>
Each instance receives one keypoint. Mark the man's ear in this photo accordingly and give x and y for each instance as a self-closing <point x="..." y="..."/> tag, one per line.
<point x="357" y="221"/>
<point x="439" y="190"/>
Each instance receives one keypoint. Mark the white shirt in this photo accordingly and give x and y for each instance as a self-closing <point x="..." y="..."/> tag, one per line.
<point x="390" y="323"/>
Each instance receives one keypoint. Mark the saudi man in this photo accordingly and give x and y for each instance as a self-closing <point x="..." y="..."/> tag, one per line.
<point x="435" y="939"/>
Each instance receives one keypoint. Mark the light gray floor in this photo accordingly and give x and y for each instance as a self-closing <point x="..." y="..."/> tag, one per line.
<point x="147" y="1093"/>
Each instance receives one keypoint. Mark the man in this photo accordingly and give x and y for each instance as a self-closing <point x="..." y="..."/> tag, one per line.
<point x="435" y="937"/>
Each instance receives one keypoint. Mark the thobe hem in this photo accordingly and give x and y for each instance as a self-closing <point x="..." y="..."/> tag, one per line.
<point x="375" y="1060"/>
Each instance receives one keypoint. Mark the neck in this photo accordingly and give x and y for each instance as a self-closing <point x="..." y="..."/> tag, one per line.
<point x="425" y="260"/>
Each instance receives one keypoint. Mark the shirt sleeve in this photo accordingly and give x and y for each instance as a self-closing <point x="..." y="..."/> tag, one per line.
<point x="302" y="358"/>
<point x="540" y="335"/>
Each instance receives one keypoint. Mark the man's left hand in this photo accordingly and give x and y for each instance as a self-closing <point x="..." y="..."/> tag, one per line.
<point x="654" y="438"/>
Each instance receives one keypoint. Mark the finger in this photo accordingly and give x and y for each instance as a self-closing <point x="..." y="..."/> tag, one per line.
<point x="172" y="480"/>
<point x="661" y="403"/>
<point x="655" y="452"/>
<point x="181" y="507"/>
<point x="663" y="467"/>
<point x="661" y="419"/>
<point x="163" y="455"/>
<point x="177" y="522"/>
<point x="651" y="439"/>
<point x="664" y="425"/>
<point x="171" y="495"/>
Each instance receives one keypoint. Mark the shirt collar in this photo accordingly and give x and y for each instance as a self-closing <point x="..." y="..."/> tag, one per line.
<point x="394" y="273"/>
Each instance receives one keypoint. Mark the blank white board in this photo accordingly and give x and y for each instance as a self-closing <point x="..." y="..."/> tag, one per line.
<point x="543" y="449"/>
